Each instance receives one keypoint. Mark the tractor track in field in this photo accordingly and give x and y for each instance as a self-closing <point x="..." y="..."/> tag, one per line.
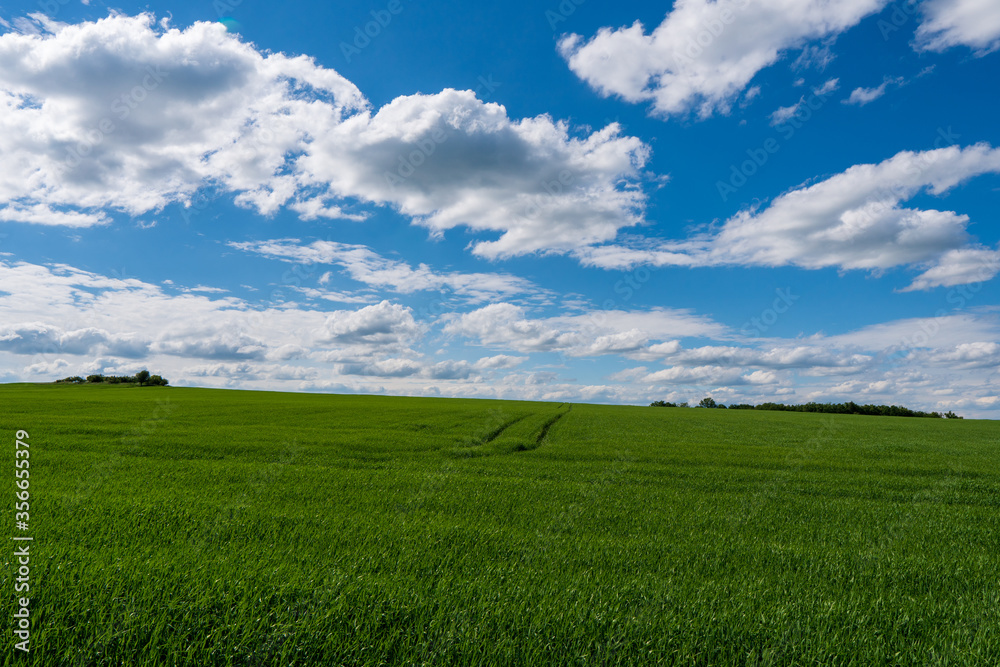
<point x="497" y="432"/>
<point x="545" y="430"/>
<point x="547" y="425"/>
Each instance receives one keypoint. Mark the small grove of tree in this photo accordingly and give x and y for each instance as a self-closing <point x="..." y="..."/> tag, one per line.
<point x="707" y="402"/>
<point x="849" y="408"/>
<point x="76" y="379"/>
<point x="142" y="378"/>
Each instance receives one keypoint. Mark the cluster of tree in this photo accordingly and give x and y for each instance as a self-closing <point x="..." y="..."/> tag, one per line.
<point x="142" y="378"/>
<point x="849" y="408"/>
<point x="707" y="402"/>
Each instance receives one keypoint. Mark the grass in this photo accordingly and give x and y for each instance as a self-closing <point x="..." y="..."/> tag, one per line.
<point x="209" y="527"/>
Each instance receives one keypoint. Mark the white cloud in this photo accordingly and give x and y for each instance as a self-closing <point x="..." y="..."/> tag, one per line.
<point x="382" y="368"/>
<point x="90" y="317"/>
<point x="504" y="325"/>
<point x="961" y="266"/>
<point x="862" y="96"/>
<point x="499" y="361"/>
<point x="123" y="114"/>
<point x="42" y="214"/>
<point x="948" y="23"/>
<point x="364" y="265"/>
<point x="449" y="160"/>
<point x="781" y="357"/>
<point x="829" y="86"/>
<point x="41" y="338"/>
<point x="384" y="324"/>
<point x="704" y="54"/>
<point x="941" y="363"/>
<point x="781" y="114"/>
<point x="330" y="295"/>
<point x="814" y="56"/>
<point x="709" y="375"/>
<point x="981" y="354"/>
<point x="94" y="323"/>
<point x="150" y="115"/>
<point x="853" y="220"/>
<point x="944" y="332"/>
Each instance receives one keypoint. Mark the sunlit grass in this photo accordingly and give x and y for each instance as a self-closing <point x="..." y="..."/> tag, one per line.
<point x="204" y="527"/>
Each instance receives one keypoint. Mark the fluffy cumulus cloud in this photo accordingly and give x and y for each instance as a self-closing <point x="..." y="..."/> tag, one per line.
<point x="384" y="325"/>
<point x="132" y="115"/>
<point x="948" y="23"/>
<point x="40" y="338"/>
<point x="450" y="160"/>
<point x="705" y="53"/>
<point x="125" y="114"/>
<point x="853" y="220"/>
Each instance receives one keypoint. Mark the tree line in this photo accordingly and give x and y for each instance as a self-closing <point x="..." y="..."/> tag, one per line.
<point x="142" y="378"/>
<point x="849" y="408"/>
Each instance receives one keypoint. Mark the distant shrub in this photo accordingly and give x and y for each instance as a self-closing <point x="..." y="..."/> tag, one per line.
<point x="142" y="378"/>
<point x="120" y="379"/>
<point x="849" y="408"/>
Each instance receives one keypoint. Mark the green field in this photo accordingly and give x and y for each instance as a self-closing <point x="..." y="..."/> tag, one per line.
<point x="179" y="526"/>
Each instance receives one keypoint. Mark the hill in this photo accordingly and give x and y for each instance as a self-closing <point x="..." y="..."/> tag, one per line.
<point x="211" y="527"/>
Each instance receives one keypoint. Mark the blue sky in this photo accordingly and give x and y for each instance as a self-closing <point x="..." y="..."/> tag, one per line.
<point x="755" y="201"/>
